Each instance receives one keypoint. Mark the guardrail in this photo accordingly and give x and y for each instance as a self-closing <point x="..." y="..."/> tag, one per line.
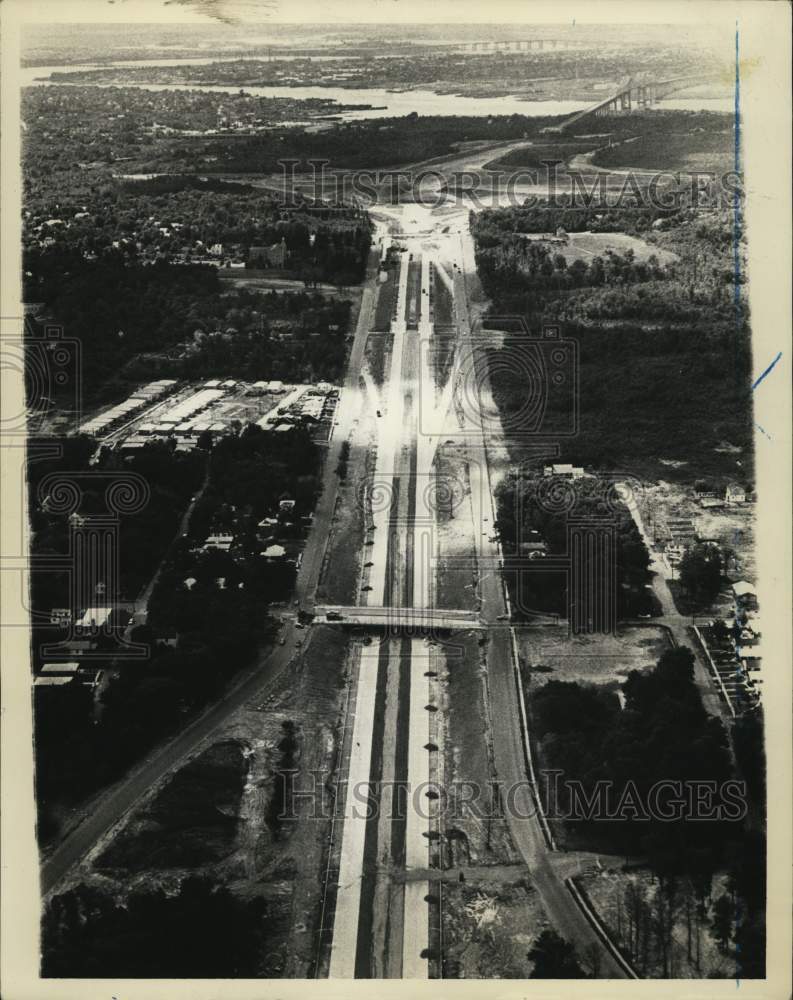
<point x="600" y="930"/>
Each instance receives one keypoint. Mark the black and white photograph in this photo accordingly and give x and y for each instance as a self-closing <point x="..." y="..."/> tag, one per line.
<point x="396" y="470"/>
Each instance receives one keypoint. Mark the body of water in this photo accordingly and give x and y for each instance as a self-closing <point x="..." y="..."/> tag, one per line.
<point x="384" y="103"/>
<point x="31" y="75"/>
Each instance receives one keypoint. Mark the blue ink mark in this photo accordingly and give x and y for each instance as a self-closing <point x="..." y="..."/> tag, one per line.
<point x="764" y="431"/>
<point x="767" y="371"/>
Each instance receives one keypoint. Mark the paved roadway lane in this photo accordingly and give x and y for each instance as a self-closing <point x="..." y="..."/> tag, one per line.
<point x="416" y="928"/>
<point x="348" y="898"/>
<point x="389" y="437"/>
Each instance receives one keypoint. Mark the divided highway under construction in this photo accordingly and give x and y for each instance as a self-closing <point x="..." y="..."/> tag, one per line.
<point x="382" y="889"/>
<point x="378" y="919"/>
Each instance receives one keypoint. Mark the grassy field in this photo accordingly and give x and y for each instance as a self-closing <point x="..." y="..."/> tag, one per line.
<point x="550" y="653"/>
<point x="442" y="353"/>
<point x="442" y="302"/>
<point x="192" y="822"/>
<point x="585" y="246"/>
<point x="413" y="297"/>
<point x="479" y="831"/>
<point x="700" y="151"/>
<point x="376" y="352"/>
<point x="532" y="157"/>
<point x="456" y="575"/>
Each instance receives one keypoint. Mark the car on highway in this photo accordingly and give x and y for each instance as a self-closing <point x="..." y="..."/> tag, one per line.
<point x="379" y="414"/>
<point x="502" y="618"/>
<point x="367" y="587"/>
<point x="368" y="564"/>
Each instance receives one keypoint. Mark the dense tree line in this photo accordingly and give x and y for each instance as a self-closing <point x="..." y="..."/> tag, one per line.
<point x="186" y="214"/>
<point x="700" y="574"/>
<point x="201" y="931"/>
<point x="662" y="734"/>
<point x="676" y="343"/>
<point x="292" y="336"/>
<point x="381" y="142"/>
<point x="120" y="314"/>
<point x="554" y="958"/>
<point x="529" y="267"/>
<point x="117" y="311"/>
<point x="525" y="514"/>
<point x="143" y="535"/>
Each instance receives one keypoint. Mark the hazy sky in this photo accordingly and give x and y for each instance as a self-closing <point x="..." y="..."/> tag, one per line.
<point x="196" y="12"/>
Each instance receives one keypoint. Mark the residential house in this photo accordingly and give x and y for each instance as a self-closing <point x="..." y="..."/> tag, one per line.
<point x="220" y="542"/>
<point x="566" y="471"/>
<point x="751" y="657"/>
<point x="272" y="256"/>
<point x="67" y="669"/>
<point x="745" y="595"/>
<point x="93" y="619"/>
<point x="52" y="681"/>
<point x="534" y="550"/>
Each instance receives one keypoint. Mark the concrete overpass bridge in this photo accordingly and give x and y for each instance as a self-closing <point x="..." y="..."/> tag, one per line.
<point x="398" y="619"/>
<point x="632" y="92"/>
